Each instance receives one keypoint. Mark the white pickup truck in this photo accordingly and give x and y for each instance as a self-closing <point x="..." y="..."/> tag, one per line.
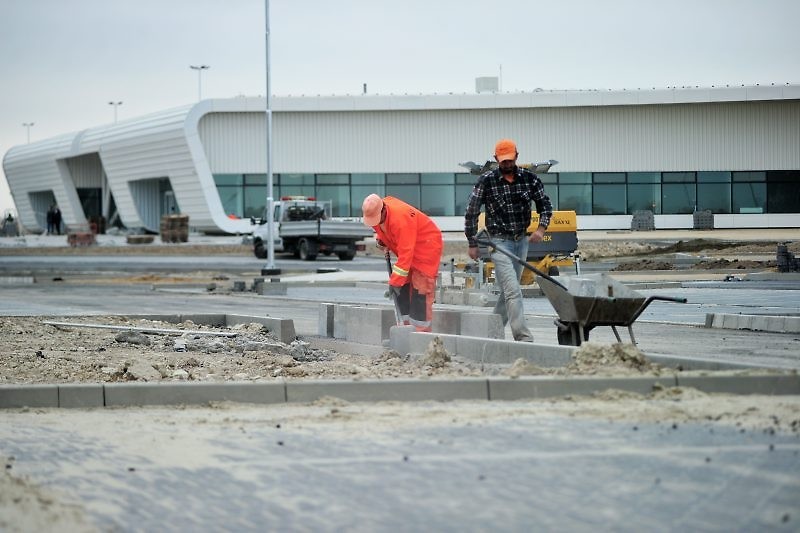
<point x="304" y="227"/>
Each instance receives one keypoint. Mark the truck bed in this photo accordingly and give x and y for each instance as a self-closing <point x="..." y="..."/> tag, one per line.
<point x="324" y="229"/>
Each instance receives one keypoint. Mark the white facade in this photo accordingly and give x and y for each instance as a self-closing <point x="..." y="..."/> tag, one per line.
<point x="731" y="129"/>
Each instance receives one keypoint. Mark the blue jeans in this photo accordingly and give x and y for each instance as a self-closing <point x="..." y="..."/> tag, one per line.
<point x="507" y="273"/>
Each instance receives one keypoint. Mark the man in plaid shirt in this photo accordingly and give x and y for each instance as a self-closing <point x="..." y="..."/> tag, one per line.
<point x="507" y="193"/>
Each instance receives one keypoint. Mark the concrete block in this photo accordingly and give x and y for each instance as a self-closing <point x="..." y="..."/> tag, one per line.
<point x="697" y="363"/>
<point x="340" y="314"/>
<point x="369" y="325"/>
<point x="548" y="387"/>
<point x="446" y="321"/>
<point x="399" y="338"/>
<point x="325" y="322"/>
<point x="272" y="289"/>
<point x="488" y="325"/>
<point x="418" y="342"/>
<point x="760" y="323"/>
<point x="730" y="321"/>
<point x="28" y="396"/>
<point x="543" y="355"/>
<point x="483" y="350"/>
<point x="745" y="322"/>
<point x="776" y="323"/>
<point x="792" y="324"/>
<point x="282" y="328"/>
<point x="81" y="395"/>
<point x="709" y="320"/>
<point x="206" y="319"/>
<point x="480" y="299"/>
<point x="746" y="384"/>
<point x="451" y="297"/>
<point x="718" y="320"/>
<point x="121" y="394"/>
<point x="388" y="390"/>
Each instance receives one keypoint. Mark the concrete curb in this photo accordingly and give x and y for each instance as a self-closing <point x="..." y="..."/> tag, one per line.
<point x="771" y="323"/>
<point x="397" y="390"/>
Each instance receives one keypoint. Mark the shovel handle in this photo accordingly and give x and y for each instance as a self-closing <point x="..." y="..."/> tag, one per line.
<point x="483" y="238"/>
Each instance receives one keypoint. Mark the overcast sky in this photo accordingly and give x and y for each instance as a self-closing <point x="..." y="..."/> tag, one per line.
<point x="62" y="61"/>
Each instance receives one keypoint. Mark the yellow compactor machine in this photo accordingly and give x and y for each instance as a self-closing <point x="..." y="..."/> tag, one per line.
<point x="557" y="249"/>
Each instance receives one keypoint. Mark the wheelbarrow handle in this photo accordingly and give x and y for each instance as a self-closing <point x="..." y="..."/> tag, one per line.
<point x="483" y="238"/>
<point x="650" y="299"/>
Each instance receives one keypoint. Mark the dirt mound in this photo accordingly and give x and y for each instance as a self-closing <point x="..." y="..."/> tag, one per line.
<point x="618" y="358"/>
<point x="643" y="264"/>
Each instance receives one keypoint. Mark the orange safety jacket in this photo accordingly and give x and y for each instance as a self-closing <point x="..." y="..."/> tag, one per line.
<point x="414" y="238"/>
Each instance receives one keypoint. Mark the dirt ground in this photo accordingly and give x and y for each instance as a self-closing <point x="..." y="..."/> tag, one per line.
<point x="132" y="349"/>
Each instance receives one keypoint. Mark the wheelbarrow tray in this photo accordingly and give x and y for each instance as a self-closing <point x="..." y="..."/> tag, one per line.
<point x="594" y="300"/>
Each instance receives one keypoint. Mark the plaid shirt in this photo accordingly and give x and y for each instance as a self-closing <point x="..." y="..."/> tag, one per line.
<point x="508" y="205"/>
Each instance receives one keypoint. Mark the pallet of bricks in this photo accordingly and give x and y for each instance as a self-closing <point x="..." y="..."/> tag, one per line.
<point x="174" y="228"/>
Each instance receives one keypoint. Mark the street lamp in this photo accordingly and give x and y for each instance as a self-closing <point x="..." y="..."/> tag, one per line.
<point x="199" y="69"/>
<point x="116" y="105"/>
<point x="28" y="127"/>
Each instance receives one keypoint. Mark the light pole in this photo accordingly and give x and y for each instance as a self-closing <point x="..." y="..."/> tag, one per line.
<point x="28" y="127"/>
<point x="270" y="267"/>
<point x="116" y="105"/>
<point x="199" y="69"/>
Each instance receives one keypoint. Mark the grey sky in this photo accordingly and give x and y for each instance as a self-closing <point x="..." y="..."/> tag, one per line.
<point x="62" y="61"/>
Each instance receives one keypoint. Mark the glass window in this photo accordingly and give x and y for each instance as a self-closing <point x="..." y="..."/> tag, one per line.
<point x="609" y="200"/>
<point x="679" y="198"/>
<point x="367" y="179"/>
<point x="257" y="179"/>
<point x="713" y="177"/>
<point x="552" y="192"/>
<point x="294" y="185"/>
<point x="464" y="179"/>
<point x="359" y="192"/>
<point x="437" y="179"/>
<point x="609" y="177"/>
<point x="232" y="200"/>
<point x="714" y="196"/>
<point x="644" y="197"/>
<point x="644" y="177"/>
<point x="749" y="197"/>
<point x="576" y="198"/>
<point x="783" y="191"/>
<point x="333" y="179"/>
<point x="548" y="177"/>
<point x="678" y="177"/>
<point x="749" y="176"/>
<point x="339" y="195"/>
<point x="438" y="200"/>
<point x="574" y="177"/>
<point x="401" y="179"/>
<point x="408" y="193"/>
<point x="228" y="179"/>
<point x="462" y="195"/>
<point x="255" y="199"/>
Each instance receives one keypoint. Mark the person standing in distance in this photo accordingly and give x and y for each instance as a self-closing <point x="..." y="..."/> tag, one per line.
<point x="417" y="242"/>
<point x="507" y="193"/>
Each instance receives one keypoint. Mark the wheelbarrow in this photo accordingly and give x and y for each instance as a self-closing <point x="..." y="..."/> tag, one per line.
<point x="589" y="301"/>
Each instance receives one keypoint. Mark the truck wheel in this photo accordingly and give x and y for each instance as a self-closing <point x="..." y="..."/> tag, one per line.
<point x="552" y="271"/>
<point x="308" y="250"/>
<point x="259" y="250"/>
<point x="346" y="256"/>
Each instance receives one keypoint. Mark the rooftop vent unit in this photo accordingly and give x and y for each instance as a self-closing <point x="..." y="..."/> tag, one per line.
<point x="487" y="84"/>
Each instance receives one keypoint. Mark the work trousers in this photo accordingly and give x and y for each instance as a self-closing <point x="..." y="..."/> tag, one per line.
<point x="507" y="273"/>
<point x="415" y="300"/>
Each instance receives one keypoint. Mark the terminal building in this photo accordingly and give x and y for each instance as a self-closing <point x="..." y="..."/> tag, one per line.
<point x="733" y="151"/>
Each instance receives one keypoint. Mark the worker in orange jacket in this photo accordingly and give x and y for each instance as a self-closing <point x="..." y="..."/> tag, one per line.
<point x="417" y="242"/>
